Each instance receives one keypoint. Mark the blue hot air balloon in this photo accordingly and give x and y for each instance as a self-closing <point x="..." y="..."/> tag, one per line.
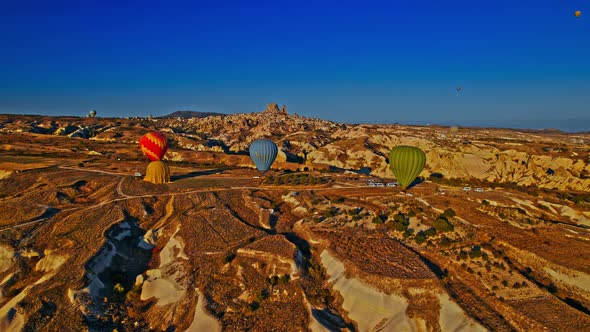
<point x="263" y="152"/>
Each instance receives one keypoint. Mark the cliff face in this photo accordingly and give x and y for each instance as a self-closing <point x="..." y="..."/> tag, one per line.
<point x="482" y="158"/>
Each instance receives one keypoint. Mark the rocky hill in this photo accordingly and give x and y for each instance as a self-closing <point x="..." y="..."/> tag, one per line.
<point x="191" y="114"/>
<point x="544" y="159"/>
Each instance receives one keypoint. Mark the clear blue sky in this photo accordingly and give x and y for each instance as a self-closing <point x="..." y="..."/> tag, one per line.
<point x="521" y="63"/>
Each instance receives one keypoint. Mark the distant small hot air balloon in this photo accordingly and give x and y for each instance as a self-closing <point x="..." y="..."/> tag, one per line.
<point x="577" y="13"/>
<point x="154" y="145"/>
<point x="459" y="88"/>
<point x="263" y="153"/>
<point x="92" y="113"/>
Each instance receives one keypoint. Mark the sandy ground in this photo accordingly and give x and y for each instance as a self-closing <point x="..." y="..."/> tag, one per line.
<point x="371" y="308"/>
<point x="6" y="258"/>
<point x="366" y="305"/>
<point x="161" y="283"/>
<point x="567" y="211"/>
<point x="202" y="321"/>
<point x="453" y="318"/>
<point x="50" y="262"/>
<point x="574" y="278"/>
<point x="549" y="206"/>
<point x="525" y="203"/>
<point x="163" y="287"/>
<point x="4" y="174"/>
<point x="274" y="261"/>
<point x="167" y="255"/>
<point x="4" y="281"/>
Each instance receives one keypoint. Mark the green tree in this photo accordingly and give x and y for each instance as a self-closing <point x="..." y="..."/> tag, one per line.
<point x="420" y="237"/>
<point x="430" y="232"/>
<point x="377" y="220"/>
<point x="449" y="213"/>
<point x="443" y="225"/>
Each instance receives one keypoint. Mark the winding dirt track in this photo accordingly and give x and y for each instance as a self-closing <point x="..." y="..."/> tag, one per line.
<point x="125" y="196"/>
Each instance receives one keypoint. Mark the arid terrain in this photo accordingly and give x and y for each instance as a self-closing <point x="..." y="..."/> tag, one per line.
<point x="316" y="243"/>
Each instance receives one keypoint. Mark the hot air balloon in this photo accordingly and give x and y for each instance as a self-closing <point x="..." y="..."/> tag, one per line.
<point x="459" y="88"/>
<point x="406" y="162"/>
<point x="92" y="113"/>
<point x="154" y="145"/>
<point x="263" y="153"/>
<point x="577" y="13"/>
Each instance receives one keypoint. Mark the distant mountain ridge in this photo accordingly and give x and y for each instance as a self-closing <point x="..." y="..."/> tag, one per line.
<point x="191" y="114"/>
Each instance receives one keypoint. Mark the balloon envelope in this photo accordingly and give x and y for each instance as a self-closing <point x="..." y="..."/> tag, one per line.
<point x="577" y="13"/>
<point x="154" y="145"/>
<point x="406" y="162"/>
<point x="263" y="153"/>
<point x="157" y="172"/>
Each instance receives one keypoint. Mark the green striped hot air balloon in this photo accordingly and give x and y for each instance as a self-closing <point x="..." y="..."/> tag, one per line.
<point x="406" y="162"/>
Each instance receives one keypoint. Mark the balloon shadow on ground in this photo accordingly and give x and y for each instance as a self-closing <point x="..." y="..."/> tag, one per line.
<point x="329" y="320"/>
<point x="362" y="170"/>
<point x="415" y="182"/>
<point x="436" y="175"/>
<point x="195" y="174"/>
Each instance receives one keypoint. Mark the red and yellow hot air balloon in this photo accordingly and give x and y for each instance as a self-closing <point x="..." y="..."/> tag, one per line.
<point x="154" y="145"/>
